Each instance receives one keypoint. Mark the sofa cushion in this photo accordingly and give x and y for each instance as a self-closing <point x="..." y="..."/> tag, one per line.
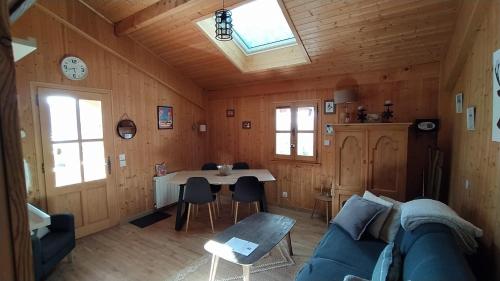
<point x="321" y="269"/>
<point x="357" y="214"/>
<point x="337" y="245"/>
<point x="393" y="222"/>
<point x="54" y="242"/>
<point x="377" y="224"/>
<point x="388" y="266"/>
<point x="432" y="254"/>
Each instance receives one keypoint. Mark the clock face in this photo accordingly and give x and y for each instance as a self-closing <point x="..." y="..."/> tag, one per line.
<point x="74" y="68"/>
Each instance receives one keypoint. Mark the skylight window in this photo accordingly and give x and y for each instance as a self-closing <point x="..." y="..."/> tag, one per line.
<point x="260" y="26"/>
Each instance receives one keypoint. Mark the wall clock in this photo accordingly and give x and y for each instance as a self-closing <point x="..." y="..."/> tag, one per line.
<point x="427" y="125"/>
<point x="74" y="68"/>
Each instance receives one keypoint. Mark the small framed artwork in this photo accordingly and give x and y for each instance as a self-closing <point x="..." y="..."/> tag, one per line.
<point x="330" y="107"/>
<point x="329" y="129"/>
<point x="471" y="116"/>
<point x="160" y="169"/>
<point x="246" y="125"/>
<point x="165" y="117"/>
<point x="230" y="113"/>
<point x="459" y="102"/>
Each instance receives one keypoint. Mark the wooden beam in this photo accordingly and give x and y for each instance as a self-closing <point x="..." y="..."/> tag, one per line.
<point x="468" y="23"/>
<point x="147" y="16"/>
<point x="15" y="256"/>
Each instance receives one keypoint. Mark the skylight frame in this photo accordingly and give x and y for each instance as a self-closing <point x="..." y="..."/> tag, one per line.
<point x="248" y="50"/>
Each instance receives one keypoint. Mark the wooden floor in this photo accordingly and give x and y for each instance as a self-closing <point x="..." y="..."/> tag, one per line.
<point x="158" y="252"/>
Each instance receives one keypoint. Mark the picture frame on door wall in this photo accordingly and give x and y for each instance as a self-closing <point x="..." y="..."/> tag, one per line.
<point x="496" y="97"/>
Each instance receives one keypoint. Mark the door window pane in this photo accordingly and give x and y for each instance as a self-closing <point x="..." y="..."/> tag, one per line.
<point x="94" y="164"/>
<point x="66" y="163"/>
<point x="305" y="118"/>
<point x="62" y="118"/>
<point x="305" y="144"/>
<point x="283" y="143"/>
<point x="90" y="119"/>
<point x="283" y="119"/>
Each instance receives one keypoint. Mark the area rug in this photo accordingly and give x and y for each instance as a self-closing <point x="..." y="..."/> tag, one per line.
<point x="150" y="219"/>
<point x="275" y="266"/>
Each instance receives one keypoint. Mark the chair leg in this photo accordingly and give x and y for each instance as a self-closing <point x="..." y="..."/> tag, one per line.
<point x="250" y="207"/>
<point x="236" y="212"/>
<point x="197" y="210"/>
<point x="210" y="213"/>
<point x="232" y="208"/>
<point x="256" y="206"/>
<point x="217" y="204"/>
<point x="314" y="208"/>
<point x="189" y="213"/>
<point x="327" y="219"/>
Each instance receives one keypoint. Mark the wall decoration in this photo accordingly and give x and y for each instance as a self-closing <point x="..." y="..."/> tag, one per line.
<point x="74" y="68"/>
<point x="459" y="102"/>
<point x="246" y="125"/>
<point x="330" y="107"/>
<point x="329" y="129"/>
<point x="230" y="113"/>
<point x="165" y="117"/>
<point x="126" y="129"/>
<point x="373" y="117"/>
<point x="161" y="169"/>
<point x="496" y="97"/>
<point x="471" y="116"/>
<point x="427" y="125"/>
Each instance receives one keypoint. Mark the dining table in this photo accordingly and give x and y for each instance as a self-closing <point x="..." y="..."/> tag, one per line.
<point x="215" y="178"/>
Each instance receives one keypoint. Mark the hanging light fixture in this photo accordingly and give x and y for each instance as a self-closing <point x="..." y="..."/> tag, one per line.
<point x="223" y="24"/>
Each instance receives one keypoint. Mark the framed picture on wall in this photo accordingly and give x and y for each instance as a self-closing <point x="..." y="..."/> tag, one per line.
<point x="165" y="117"/>
<point x="230" y="113"/>
<point x="330" y="107"/>
<point x="246" y="125"/>
<point x="329" y="129"/>
<point x="459" y="102"/>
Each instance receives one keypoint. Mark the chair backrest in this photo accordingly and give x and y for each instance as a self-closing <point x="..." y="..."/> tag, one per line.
<point x="197" y="191"/>
<point x="248" y="189"/>
<point x="209" y="166"/>
<point x="241" y="166"/>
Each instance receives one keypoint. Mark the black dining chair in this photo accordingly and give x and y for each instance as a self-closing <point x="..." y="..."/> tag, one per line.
<point x="237" y="166"/>
<point x="247" y="190"/>
<point x="198" y="192"/>
<point x="215" y="188"/>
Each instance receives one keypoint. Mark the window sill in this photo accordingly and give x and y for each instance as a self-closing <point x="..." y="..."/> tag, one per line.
<point x="297" y="162"/>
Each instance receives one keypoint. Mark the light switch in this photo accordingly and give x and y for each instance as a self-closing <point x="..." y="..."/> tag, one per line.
<point x="326" y="142"/>
<point x="123" y="160"/>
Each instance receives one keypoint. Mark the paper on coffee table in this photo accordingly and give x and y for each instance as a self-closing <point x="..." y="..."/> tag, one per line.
<point x="241" y="246"/>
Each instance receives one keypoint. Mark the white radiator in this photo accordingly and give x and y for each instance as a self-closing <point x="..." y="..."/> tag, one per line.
<point x="165" y="193"/>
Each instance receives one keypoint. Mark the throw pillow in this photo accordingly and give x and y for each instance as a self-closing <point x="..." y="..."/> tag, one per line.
<point x="356" y="215"/>
<point x="388" y="266"/>
<point x="393" y="222"/>
<point x="378" y="223"/>
<point x="354" y="278"/>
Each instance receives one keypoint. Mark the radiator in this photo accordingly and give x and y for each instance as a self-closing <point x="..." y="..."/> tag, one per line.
<point x="165" y="193"/>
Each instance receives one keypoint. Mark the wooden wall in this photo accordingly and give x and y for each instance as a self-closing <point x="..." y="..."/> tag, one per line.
<point x="134" y="92"/>
<point x="472" y="154"/>
<point x="414" y="91"/>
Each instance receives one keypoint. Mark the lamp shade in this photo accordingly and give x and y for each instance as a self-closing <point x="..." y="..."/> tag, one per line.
<point x="344" y="96"/>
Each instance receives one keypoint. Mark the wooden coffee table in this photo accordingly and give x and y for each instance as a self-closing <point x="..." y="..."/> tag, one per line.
<point x="264" y="229"/>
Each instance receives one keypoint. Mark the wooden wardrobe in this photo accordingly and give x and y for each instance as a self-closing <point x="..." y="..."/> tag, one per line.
<point x="370" y="157"/>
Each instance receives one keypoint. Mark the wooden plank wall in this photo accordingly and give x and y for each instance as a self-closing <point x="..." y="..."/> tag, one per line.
<point x="134" y="93"/>
<point x="413" y="90"/>
<point x="474" y="156"/>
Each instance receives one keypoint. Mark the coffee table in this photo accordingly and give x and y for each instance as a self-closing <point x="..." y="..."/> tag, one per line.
<point x="264" y="229"/>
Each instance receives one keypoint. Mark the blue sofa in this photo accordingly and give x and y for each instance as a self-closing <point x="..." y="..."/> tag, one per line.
<point x="53" y="247"/>
<point x="430" y="253"/>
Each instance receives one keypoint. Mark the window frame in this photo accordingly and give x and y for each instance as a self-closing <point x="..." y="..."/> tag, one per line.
<point x="294" y="131"/>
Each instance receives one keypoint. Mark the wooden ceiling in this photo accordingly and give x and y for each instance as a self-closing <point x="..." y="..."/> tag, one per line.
<point x="340" y="37"/>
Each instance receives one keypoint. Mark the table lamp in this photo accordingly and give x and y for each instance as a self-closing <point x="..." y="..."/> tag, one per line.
<point x="346" y="97"/>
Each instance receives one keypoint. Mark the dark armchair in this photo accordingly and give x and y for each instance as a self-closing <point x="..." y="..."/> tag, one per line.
<point x="53" y="247"/>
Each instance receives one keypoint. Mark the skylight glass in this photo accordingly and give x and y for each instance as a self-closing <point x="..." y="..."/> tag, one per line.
<point x="260" y="25"/>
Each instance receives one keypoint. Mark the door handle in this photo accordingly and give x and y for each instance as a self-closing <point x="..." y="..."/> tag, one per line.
<point x="108" y="164"/>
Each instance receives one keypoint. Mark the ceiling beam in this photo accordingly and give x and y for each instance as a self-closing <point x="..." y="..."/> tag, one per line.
<point x="147" y="16"/>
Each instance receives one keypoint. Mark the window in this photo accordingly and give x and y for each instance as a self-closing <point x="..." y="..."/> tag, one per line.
<point x="295" y="131"/>
<point x="260" y="26"/>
